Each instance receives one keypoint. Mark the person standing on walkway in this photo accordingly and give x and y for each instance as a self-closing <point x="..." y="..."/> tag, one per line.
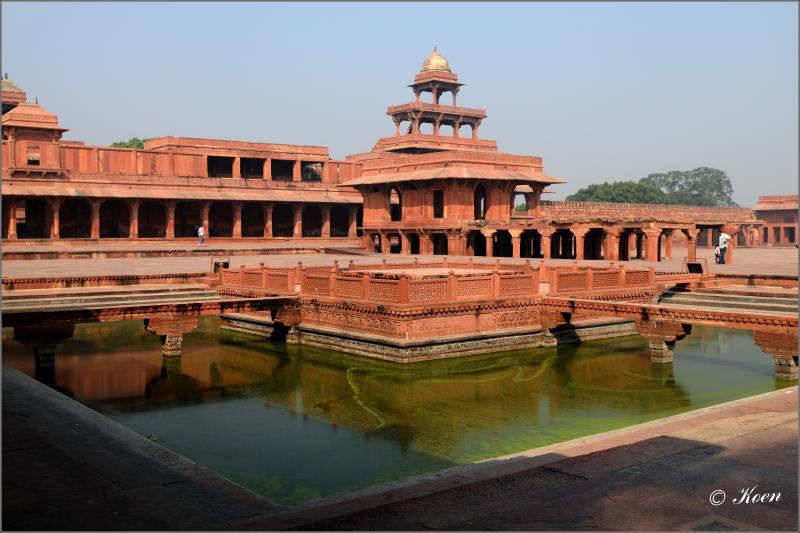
<point x="724" y="239"/>
<point x="201" y="234"/>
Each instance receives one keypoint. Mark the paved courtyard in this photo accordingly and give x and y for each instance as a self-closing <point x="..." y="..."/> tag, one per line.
<point x="775" y="261"/>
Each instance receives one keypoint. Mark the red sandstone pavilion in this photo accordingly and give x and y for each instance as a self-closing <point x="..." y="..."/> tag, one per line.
<point x="443" y="190"/>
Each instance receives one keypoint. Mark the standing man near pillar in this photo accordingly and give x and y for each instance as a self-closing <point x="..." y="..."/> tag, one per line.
<point x="201" y="234"/>
<point x="724" y="239"/>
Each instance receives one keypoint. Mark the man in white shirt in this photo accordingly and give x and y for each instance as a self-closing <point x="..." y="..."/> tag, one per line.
<point x="201" y="233"/>
<point x="724" y="239"/>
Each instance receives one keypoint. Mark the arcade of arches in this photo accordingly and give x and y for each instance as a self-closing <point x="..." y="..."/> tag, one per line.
<point x="552" y="242"/>
<point x="93" y="218"/>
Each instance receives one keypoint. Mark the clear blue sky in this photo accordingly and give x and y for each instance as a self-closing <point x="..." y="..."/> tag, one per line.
<point x="600" y="91"/>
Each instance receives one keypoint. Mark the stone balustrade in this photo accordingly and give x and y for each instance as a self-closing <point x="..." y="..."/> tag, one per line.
<point x="568" y="281"/>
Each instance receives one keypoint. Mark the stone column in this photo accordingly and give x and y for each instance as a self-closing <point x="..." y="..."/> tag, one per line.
<point x="267" y="170"/>
<point x="55" y="228"/>
<point x="489" y="235"/>
<point x="352" y="229"/>
<point x="296" y="171"/>
<point x="386" y="244"/>
<point x="326" y="221"/>
<point x="651" y="253"/>
<point x="267" y="209"/>
<point x="298" y="221"/>
<point x="405" y="244"/>
<point x="204" y="211"/>
<point x="426" y="243"/>
<point x="579" y="233"/>
<point x="611" y="252"/>
<point x="691" y="243"/>
<point x="544" y="243"/>
<point x="95" y="218"/>
<point x="668" y="244"/>
<point x="133" y="206"/>
<point x="237" y="220"/>
<point x="170" y="234"/>
<point x="516" y="242"/>
<point x="236" y="171"/>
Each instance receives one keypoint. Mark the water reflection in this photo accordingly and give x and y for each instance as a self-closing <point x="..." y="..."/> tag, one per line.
<point x="295" y="422"/>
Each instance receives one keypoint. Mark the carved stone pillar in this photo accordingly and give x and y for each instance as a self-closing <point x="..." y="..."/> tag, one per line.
<point x="691" y="243"/>
<point x="544" y="243"/>
<point x="55" y="227"/>
<point x="579" y="233"/>
<point x="667" y="244"/>
<point x="405" y="244"/>
<point x="171" y="330"/>
<point x="95" y="218"/>
<point x="133" y="206"/>
<point x="267" y="169"/>
<point x="326" y="221"/>
<point x="652" y="235"/>
<point x="267" y="210"/>
<point x="489" y="235"/>
<point x="516" y="242"/>
<point x="611" y="245"/>
<point x="298" y="221"/>
<point x="170" y="233"/>
<point x="237" y="220"/>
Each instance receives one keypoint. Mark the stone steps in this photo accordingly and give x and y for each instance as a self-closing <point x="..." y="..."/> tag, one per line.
<point x="739" y="303"/>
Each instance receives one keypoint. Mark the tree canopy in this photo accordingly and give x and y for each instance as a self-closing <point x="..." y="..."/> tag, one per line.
<point x="633" y="192"/>
<point x="701" y="186"/>
<point x="133" y="142"/>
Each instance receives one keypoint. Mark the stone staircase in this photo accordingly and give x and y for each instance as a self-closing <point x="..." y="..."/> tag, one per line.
<point x="776" y="303"/>
<point x="48" y="300"/>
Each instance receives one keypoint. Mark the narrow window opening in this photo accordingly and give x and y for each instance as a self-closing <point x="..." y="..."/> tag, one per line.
<point x="220" y="167"/>
<point x="438" y="204"/>
<point x="282" y="170"/>
<point x="252" y="168"/>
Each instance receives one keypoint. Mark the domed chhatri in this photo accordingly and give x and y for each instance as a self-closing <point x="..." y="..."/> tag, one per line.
<point x="435" y="61"/>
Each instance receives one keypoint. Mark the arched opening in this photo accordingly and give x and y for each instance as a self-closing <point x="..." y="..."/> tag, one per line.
<point x="413" y="243"/>
<point x="340" y="221"/>
<point x="502" y="244"/>
<point x="359" y="222"/>
<point x="187" y="216"/>
<point x="252" y="220"/>
<point x="152" y="220"/>
<point x="562" y="244"/>
<point x="38" y="217"/>
<point x="115" y="220"/>
<point x="439" y="243"/>
<point x="75" y="219"/>
<point x="479" y="203"/>
<point x="220" y="220"/>
<point x="476" y="241"/>
<point x="395" y="204"/>
<point x="312" y="221"/>
<point x="530" y="244"/>
<point x="282" y="221"/>
<point x="593" y="244"/>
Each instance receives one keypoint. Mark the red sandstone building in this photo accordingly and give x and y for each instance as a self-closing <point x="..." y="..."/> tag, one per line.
<point x="434" y="186"/>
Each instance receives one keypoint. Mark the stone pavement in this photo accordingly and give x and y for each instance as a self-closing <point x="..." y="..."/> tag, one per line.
<point x="781" y="261"/>
<point x="654" y="476"/>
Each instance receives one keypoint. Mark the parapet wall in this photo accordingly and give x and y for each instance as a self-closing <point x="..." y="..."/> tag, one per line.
<point x="583" y="211"/>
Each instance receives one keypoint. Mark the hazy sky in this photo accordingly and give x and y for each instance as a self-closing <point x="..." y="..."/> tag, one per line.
<point x="600" y="91"/>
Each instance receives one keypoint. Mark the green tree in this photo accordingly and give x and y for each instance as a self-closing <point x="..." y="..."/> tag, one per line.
<point x="701" y="186"/>
<point x="634" y="192"/>
<point x="133" y="142"/>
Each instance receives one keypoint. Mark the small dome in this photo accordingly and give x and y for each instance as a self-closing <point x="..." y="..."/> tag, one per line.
<point x="435" y="61"/>
<point x="10" y="86"/>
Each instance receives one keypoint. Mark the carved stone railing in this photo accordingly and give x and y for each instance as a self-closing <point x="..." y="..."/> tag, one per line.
<point x="565" y="281"/>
